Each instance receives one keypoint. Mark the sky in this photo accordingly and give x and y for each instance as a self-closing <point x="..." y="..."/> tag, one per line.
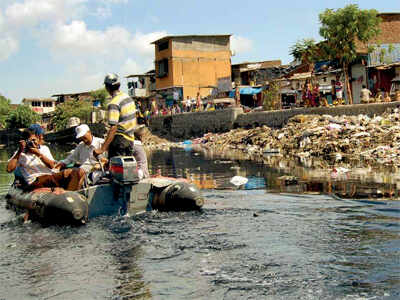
<point x="67" y="46"/>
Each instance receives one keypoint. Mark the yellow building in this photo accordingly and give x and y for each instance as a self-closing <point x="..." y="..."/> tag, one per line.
<point x="186" y="65"/>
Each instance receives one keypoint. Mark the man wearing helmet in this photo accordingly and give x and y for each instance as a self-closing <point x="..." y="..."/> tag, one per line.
<point x="120" y="140"/>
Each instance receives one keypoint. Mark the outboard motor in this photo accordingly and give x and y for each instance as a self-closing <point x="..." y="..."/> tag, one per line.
<point x="124" y="170"/>
<point x="125" y="176"/>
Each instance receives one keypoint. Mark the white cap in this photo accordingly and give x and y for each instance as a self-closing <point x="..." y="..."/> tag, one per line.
<point x="81" y="130"/>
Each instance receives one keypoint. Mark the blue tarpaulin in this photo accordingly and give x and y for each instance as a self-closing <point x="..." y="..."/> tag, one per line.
<point x="246" y="91"/>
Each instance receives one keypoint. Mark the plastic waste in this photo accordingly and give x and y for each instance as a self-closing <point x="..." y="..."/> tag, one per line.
<point x="238" y="180"/>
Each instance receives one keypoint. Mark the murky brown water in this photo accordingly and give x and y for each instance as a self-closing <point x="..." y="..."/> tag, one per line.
<point x="274" y="238"/>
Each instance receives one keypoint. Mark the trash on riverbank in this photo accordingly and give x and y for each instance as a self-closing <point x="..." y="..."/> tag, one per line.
<point x="334" y="139"/>
<point x="239" y="180"/>
<point x="153" y="142"/>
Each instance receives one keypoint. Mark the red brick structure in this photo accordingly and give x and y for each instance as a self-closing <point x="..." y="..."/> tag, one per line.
<point x="390" y="32"/>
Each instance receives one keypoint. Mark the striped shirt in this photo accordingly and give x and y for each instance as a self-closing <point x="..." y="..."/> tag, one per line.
<point x="122" y="112"/>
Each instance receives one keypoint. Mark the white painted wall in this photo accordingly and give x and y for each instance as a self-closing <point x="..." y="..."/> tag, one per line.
<point x="356" y="72"/>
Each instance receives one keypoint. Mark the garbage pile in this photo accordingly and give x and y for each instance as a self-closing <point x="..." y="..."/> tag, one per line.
<point x="153" y="142"/>
<point x="331" y="138"/>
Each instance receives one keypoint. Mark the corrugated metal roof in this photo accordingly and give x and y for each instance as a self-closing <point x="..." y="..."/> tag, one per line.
<point x="189" y="35"/>
<point x="142" y="75"/>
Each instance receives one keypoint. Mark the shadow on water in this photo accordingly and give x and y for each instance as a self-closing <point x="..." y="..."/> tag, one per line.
<point x="288" y="234"/>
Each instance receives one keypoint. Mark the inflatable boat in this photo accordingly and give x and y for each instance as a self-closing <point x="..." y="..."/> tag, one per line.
<point x="119" y="193"/>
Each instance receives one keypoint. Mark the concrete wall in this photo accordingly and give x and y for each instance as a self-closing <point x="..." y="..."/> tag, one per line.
<point x="279" y="118"/>
<point x="187" y="125"/>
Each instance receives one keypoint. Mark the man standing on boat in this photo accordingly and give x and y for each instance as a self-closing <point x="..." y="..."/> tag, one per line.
<point x="120" y="140"/>
<point x="36" y="164"/>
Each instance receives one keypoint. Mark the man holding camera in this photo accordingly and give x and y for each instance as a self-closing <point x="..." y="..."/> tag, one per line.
<point x="36" y="164"/>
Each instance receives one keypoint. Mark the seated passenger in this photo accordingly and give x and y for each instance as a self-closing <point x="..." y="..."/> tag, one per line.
<point x="83" y="155"/>
<point x="36" y="164"/>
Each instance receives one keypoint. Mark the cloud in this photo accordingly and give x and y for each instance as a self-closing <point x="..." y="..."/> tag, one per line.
<point x="33" y="12"/>
<point x="241" y="44"/>
<point x="102" y="12"/>
<point x="130" y="66"/>
<point x="8" y="46"/>
<point x="86" y="55"/>
<point x="76" y="39"/>
<point x="142" y="42"/>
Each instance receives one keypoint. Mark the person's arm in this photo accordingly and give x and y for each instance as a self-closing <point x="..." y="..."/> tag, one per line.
<point x="113" y="120"/>
<point x="12" y="163"/>
<point x="72" y="158"/>
<point x="109" y="139"/>
<point x="46" y="160"/>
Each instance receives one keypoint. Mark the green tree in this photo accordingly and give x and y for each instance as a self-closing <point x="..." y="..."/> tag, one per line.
<point x="100" y="95"/>
<point x="22" y="117"/>
<point x="305" y="50"/>
<point x="77" y="108"/>
<point x="4" y="110"/>
<point x="342" y="28"/>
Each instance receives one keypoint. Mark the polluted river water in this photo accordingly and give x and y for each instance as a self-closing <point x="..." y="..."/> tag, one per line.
<point x="291" y="232"/>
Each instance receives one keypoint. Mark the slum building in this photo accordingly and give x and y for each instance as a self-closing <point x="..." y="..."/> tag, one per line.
<point x="251" y="78"/>
<point x="142" y="87"/>
<point x="190" y="64"/>
<point x="377" y="69"/>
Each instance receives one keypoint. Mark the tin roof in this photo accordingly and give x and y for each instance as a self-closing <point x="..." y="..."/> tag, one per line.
<point x="72" y="94"/>
<point x="39" y="99"/>
<point x="189" y="35"/>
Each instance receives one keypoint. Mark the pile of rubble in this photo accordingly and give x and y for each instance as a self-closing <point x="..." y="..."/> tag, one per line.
<point x="153" y="142"/>
<point x="334" y="139"/>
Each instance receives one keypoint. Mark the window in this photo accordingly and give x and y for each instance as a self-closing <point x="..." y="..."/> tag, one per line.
<point x="162" y="68"/>
<point x="163" y="46"/>
<point x="47" y="104"/>
<point x="36" y="103"/>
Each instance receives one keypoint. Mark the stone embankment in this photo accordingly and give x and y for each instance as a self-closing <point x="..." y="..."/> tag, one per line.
<point x="334" y="139"/>
<point x="189" y="125"/>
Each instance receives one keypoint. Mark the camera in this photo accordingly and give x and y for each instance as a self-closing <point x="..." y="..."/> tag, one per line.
<point x="29" y="145"/>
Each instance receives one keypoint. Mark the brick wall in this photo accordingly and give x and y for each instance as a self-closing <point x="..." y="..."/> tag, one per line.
<point x="390" y="32"/>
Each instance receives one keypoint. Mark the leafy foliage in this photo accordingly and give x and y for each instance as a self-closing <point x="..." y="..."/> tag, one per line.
<point x="304" y="50"/>
<point x="4" y="110"/>
<point x="100" y="95"/>
<point x="22" y="117"/>
<point x="77" y="108"/>
<point x="342" y="28"/>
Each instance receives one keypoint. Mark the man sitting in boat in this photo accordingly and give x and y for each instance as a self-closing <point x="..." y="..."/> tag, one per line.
<point x="83" y="156"/>
<point x="120" y="140"/>
<point x="36" y="164"/>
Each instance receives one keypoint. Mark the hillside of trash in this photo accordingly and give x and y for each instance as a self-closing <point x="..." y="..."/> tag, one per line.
<point x="333" y="139"/>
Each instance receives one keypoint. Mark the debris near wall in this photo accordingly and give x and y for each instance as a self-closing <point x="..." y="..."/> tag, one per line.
<point x="151" y="141"/>
<point x="375" y="141"/>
